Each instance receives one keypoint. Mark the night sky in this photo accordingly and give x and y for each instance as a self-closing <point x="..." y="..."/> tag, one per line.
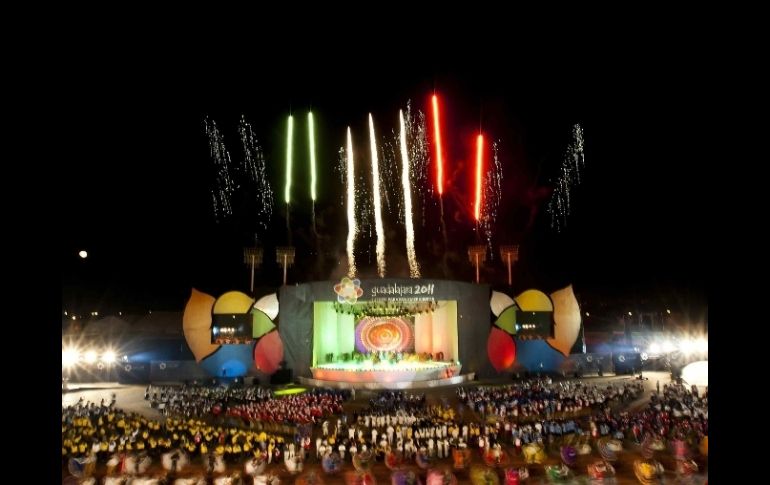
<point x="136" y="190"/>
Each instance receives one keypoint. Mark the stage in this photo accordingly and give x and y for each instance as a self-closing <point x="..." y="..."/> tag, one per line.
<point x="385" y="372"/>
<point x="375" y="386"/>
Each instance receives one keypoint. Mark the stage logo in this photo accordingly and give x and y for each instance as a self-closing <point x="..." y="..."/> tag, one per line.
<point x="348" y="291"/>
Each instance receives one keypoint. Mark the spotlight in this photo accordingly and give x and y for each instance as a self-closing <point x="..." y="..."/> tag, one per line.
<point x="109" y="357"/>
<point x="703" y="345"/>
<point x="69" y="357"/>
<point x="688" y="346"/>
<point x="90" y="356"/>
<point x="654" y="348"/>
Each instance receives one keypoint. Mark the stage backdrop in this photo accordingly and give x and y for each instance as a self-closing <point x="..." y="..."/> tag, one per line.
<point x="458" y="325"/>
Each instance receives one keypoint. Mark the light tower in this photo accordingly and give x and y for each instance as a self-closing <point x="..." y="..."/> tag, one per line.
<point x="284" y="255"/>
<point x="510" y="254"/>
<point x="477" y="254"/>
<point x="253" y="258"/>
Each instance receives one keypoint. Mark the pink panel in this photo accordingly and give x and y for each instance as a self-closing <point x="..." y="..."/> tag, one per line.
<point x="423" y="333"/>
<point x="268" y="353"/>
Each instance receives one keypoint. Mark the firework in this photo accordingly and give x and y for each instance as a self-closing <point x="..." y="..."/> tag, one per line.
<point x="492" y="192"/>
<point x="559" y="207"/>
<point x="222" y="193"/>
<point x="256" y="172"/>
<point x="289" y="140"/>
<point x="377" y="202"/>
<point x="417" y="136"/>
<point x="439" y="156"/>
<point x="414" y="269"/>
<point x="479" y="166"/>
<point x="351" y="209"/>
<point x="311" y="136"/>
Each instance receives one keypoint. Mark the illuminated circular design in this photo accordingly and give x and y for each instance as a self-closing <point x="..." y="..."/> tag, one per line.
<point x="388" y="334"/>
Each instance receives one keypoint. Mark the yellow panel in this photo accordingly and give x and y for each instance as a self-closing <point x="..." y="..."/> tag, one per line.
<point x="196" y="323"/>
<point x="534" y="301"/>
<point x="233" y="302"/>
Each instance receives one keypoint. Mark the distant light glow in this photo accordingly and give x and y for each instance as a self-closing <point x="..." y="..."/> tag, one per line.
<point x="109" y="357"/>
<point x="702" y="345"/>
<point x="90" y="356"/>
<point x="69" y="357"/>
<point x="83" y="254"/>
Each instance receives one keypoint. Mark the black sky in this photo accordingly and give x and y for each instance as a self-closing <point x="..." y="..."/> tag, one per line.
<point x="136" y="186"/>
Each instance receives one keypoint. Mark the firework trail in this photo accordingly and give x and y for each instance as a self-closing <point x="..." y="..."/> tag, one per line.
<point x="419" y="155"/>
<point x="311" y="145"/>
<point x="289" y="159"/>
<point x="341" y="168"/>
<point x="439" y="155"/>
<point x="377" y="202"/>
<point x="569" y="177"/>
<point x="576" y="150"/>
<point x="255" y="168"/>
<point x="225" y="187"/>
<point x="390" y="181"/>
<point x="440" y="178"/>
<point x="479" y="170"/>
<point x="351" y="209"/>
<point x="493" y="181"/>
<point x="414" y="269"/>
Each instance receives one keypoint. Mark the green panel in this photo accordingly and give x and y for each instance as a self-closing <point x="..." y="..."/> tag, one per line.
<point x="324" y="332"/>
<point x="346" y="333"/>
<point x="261" y="323"/>
<point x="507" y="320"/>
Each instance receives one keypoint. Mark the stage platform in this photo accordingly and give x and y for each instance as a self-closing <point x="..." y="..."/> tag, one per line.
<point x="376" y="377"/>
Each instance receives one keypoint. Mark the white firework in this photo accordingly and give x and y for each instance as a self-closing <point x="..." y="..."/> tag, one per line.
<point x="559" y="207"/>
<point x="493" y="182"/>
<point x="351" y="209"/>
<point x="419" y="156"/>
<point x="225" y="187"/>
<point x="414" y="268"/>
<point x="254" y="166"/>
<point x="380" y="249"/>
